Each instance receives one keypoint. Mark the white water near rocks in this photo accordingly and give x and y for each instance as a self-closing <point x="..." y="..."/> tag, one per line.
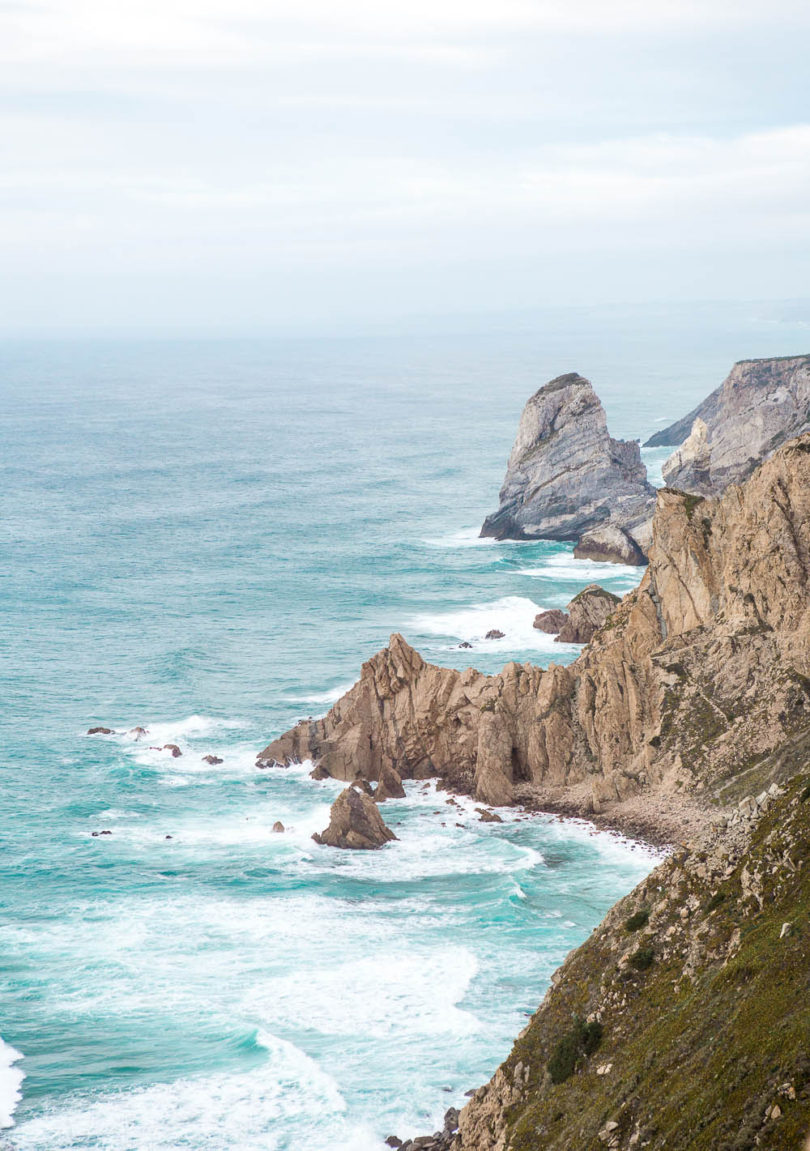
<point x="207" y="541"/>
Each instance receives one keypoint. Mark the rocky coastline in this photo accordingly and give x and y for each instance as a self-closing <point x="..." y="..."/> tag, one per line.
<point x="685" y="721"/>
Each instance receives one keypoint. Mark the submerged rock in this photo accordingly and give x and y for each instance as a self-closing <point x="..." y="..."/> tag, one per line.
<point x="212" y="759"/>
<point x="566" y="476"/>
<point x="100" y="731"/>
<point x="355" y="822"/>
<point x="494" y="633"/>
<point x="173" y="748"/>
<point x="587" y="612"/>
<point x="138" y="732"/>
<point x="486" y="816"/>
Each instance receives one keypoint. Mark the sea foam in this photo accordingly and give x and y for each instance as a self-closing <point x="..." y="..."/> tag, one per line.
<point x="11" y="1078"/>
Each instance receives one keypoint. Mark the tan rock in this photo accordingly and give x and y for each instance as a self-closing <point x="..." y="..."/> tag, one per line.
<point x="550" y="621"/>
<point x="355" y="822"/>
<point x="390" y="785"/>
<point x="710" y="655"/>
<point x="587" y="612"/>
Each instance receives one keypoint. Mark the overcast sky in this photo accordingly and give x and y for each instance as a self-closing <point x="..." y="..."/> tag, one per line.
<point x="252" y="165"/>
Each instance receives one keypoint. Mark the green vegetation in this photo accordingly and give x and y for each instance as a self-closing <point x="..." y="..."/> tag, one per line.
<point x="581" y="1041"/>
<point x="638" y="920"/>
<point x="704" y="1049"/>
<point x="643" y="958"/>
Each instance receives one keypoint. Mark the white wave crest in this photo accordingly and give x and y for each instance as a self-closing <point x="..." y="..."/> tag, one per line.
<point x="513" y="615"/>
<point x="11" y="1078"/>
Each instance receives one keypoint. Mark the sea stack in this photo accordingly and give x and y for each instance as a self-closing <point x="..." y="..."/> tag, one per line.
<point x="568" y="478"/>
<point x="355" y="823"/>
<point x="759" y="406"/>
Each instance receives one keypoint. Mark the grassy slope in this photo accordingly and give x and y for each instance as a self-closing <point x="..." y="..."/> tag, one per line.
<point x="714" y="1033"/>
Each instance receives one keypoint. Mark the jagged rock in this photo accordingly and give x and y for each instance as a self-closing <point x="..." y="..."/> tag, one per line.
<point x="760" y="406"/>
<point x="364" y="786"/>
<point x="722" y="613"/>
<point x="100" y="731"/>
<point x="355" y="822"/>
<point x="587" y="612"/>
<point x="212" y="759"/>
<point x="390" y="785"/>
<point x="319" y="772"/>
<point x="494" y="633"/>
<point x="173" y="748"/>
<point x="464" y="643"/>
<point x="278" y="826"/>
<point x="138" y="732"/>
<point x="566" y="476"/>
<point x="610" y="544"/>
<point x="97" y="833"/>
<point x="486" y="816"/>
<point x="550" y="621"/>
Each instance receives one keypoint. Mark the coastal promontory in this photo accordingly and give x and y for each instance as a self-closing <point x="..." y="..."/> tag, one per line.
<point x="567" y="477"/>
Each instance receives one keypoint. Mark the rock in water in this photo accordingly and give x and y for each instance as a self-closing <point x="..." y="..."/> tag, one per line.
<point x="587" y="612"/>
<point x="759" y="406"/>
<point x="495" y="633"/>
<point x="355" y="822"/>
<point x="567" y="477"/>
<point x="610" y="544"/>
<point x="100" y="731"/>
<point x="212" y="759"/>
<point x="550" y="621"/>
<point x="278" y="826"/>
<point x="390" y="785"/>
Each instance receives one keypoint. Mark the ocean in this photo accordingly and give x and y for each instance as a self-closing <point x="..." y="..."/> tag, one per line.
<point x="206" y="538"/>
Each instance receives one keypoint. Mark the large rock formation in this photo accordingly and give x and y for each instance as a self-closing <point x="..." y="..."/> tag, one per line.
<point x="355" y="822"/>
<point x="761" y="405"/>
<point x="707" y="661"/>
<point x="566" y="477"/>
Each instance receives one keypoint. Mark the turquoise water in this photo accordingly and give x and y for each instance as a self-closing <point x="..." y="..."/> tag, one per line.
<point x="207" y="539"/>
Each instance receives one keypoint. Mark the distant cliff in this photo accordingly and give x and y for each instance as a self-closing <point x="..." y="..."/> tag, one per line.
<point x="567" y="477"/>
<point x="761" y="405"/>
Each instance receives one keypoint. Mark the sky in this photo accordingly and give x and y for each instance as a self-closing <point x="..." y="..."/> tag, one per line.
<point x="243" y="165"/>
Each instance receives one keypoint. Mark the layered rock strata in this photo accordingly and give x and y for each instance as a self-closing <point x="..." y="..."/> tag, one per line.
<point x="760" y="405"/>
<point x="567" y="477"/>
<point x="695" y="678"/>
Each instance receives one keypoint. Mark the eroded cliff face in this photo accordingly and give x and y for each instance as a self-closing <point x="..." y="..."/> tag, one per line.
<point x="760" y="406"/>
<point x="567" y="477"/>
<point x="691" y="683"/>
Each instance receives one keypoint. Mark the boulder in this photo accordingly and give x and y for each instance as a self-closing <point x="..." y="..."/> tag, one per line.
<point x="464" y="643"/>
<point x="278" y="826"/>
<point x="488" y="816"/>
<point x="390" y="785"/>
<point x="100" y="731"/>
<point x="587" y="612"/>
<point x="355" y="822"/>
<point x="138" y="732"/>
<point x="212" y="759"/>
<point x="550" y="621"/>
<point x="173" y="748"/>
<point x="318" y="772"/>
<point x="566" y="476"/>
<point x="612" y="544"/>
<point x="494" y="633"/>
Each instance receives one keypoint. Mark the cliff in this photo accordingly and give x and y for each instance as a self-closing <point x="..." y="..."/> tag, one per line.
<point x="761" y="405"/>
<point x="682" y="1022"/>
<point x="692" y="683"/>
<point x="567" y="477"/>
